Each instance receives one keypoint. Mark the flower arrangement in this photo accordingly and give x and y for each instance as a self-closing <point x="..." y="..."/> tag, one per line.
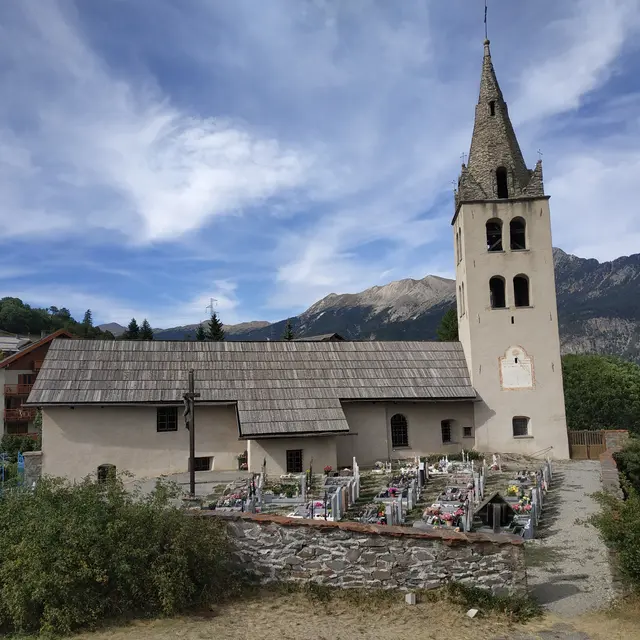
<point x="447" y="517"/>
<point x="328" y="469"/>
<point x="243" y="466"/>
<point x="513" y="490"/>
<point x="459" y="512"/>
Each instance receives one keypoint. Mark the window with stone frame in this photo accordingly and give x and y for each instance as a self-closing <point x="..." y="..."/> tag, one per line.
<point x="497" y="293"/>
<point x="446" y="431"/>
<point x="294" y="460"/>
<point x="167" y="419"/>
<point x="399" y="431"/>
<point x="520" y="426"/>
<point x="494" y="234"/>
<point x="517" y="234"/>
<point x="502" y="184"/>
<point x="521" y="291"/>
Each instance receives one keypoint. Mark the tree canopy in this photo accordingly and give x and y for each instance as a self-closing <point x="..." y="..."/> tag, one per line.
<point x="214" y="331"/>
<point x="448" y="329"/>
<point x="133" y="331"/>
<point x="288" y="331"/>
<point x="601" y="392"/>
<point x="200" y="333"/>
<point x="146" y="332"/>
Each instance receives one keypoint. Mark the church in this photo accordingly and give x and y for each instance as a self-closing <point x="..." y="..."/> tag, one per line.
<point x="319" y="403"/>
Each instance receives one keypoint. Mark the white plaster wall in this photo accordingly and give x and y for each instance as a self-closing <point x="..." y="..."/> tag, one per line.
<point x="76" y="441"/>
<point x="487" y="333"/>
<point x="321" y="449"/>
<point x="370" y="425"/>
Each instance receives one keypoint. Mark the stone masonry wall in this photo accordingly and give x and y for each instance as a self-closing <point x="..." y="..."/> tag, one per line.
<point x="32" y="467"/>
<point x="347" y="554"/>
<point x="616" y="439"/>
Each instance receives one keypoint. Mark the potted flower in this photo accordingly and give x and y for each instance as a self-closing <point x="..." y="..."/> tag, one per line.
<point x="448" y="519"/>
<point x="243" y="459"/>
<point x="328" y="469"/>
<point x="513" y="490"/>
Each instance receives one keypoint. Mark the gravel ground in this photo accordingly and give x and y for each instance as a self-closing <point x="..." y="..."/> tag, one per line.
<point x="571" y="575"/>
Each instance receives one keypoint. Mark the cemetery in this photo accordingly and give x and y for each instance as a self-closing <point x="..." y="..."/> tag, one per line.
<point x="461" y="495"/>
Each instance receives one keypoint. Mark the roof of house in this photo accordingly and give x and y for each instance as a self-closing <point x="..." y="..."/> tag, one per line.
<point x="34" y="345"/>
<point x="323" y="337"/>
<point x="12" y="343"/>
<point x="279" y="387"/>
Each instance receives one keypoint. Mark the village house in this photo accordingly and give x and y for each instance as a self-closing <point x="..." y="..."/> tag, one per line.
<point x="321" y="402"/>
<point x="18" y="372"/>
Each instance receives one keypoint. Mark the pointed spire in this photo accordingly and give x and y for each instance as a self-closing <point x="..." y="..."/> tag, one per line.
<point x="495" y="154"/>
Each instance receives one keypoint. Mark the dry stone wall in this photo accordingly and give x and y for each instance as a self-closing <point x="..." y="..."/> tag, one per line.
<point x="346" y="554"/>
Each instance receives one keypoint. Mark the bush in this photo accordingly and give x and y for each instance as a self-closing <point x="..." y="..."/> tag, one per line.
<point x="628" y="461"/>
<point x="13" y="444"/>
<point x="74" y="555"/>
<point x="619" y="526"/>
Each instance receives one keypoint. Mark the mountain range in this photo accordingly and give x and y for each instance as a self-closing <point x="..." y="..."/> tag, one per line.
<point x="598" y="310"/>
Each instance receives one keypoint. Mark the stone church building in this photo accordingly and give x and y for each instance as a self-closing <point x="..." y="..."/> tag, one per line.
<point x="312" y="402"/>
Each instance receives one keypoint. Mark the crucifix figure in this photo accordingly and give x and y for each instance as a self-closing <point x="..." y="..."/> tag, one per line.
<point x="463" y="158"/>
<point x="189" y="418"/>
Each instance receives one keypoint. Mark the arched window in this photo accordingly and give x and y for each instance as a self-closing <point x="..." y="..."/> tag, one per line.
<point x="517" y="230"/>
<point x="521" y="291"/>
<point x="497" y="292"/>
<point x="501" y="182"/>
<point x="445" y="430"/>
<point x="464" y="306"/>
<point x="459" y="244"/>
<point x="399" y="431"/>
<point x="106" y="473"/>
<point x="520" y="426"/>
<point x="494" y="234"/>
<point x="492" y="107"/>
<point x="459" y="301"/>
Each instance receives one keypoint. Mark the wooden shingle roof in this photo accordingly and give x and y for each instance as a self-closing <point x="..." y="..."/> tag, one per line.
<point x="279" y="387"/>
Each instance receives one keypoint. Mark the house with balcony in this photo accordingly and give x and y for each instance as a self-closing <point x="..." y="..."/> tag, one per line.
<point x="18" y="372"/>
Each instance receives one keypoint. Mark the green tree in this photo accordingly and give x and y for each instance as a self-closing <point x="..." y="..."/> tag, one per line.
<point x="87" y="324"/>
<point x="628" y="461"/>
<point x="214" y="331"/>
<point x="201" y="333"/>
<point x="288" y="331"/>
<point x="601" y="392"/>
<point x="146" y="332"/>
<point x="107" y="335"/>
<point x="448" y="329"/>
<point x="133" y="331"/>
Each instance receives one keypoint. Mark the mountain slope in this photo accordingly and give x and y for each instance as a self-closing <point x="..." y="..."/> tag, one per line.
<point x="598" y="308"/>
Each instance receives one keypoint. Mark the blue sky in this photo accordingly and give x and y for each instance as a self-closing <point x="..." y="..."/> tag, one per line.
<point x="157" y="153"/>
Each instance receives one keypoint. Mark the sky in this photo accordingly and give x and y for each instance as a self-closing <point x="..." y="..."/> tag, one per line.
<point x="155" y="154"/>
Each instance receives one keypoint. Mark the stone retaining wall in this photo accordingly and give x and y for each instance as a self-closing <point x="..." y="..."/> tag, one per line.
<point x="616" y="438"/>
<point x="348" y="554"/>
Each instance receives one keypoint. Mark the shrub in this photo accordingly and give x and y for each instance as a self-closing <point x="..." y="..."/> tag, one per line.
<point x="619" y="525"/>
<point x="628" y="461"/>
<point x="11" y="445"/>
<point x="74" y="555"/>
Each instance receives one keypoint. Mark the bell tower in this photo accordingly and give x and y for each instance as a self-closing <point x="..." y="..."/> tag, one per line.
<point x="505" y="283"/>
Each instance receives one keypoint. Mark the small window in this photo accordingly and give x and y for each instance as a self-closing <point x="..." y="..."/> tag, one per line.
<point x="445" y="428"/>
<point x="202" y="463"/>
<point x="167" y="419"/>
<point x="501" y="182"/>
<point x="467" y="432"/>
<point x="106" y="472"/>
<point x="399" y="431"/>
<point x="464" y="306"/>
<point x="294" y="460"/>
<point x="521" y="291"/>
<point x="497" y="293"/>
<point x="459" y="301"/>
<point x="517" y="232"/>
<point x="494" y="235"/>
<point x="492" y="107"/>
<point x="520" y="427"/>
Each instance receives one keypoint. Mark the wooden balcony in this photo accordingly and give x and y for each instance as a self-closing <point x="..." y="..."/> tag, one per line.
<point x="19" y="415"/>
<point x="17" y="389"/>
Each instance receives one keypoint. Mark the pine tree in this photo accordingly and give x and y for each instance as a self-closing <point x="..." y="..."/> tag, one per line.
<point x="146" y="332"/>
<point x="448" y="329"/>
<point x="214" y="331"/>
<point x="200" y="333"/>
<point x="288" y="331"/>
<point x="87" y="324"/>
<point x="133" y="331"/>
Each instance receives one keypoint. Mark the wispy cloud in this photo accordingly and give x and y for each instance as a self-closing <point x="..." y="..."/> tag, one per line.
<point x="268" y="154"/>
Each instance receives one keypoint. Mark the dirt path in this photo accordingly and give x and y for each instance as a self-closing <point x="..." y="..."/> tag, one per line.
<point x="569" y="571"/>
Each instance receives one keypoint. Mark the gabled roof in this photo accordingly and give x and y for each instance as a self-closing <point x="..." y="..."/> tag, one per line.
<point x="323" y="337"/>
<point x="13" y="343"/>
<point x="279" y="387"/>
<point x="60" y="333"/>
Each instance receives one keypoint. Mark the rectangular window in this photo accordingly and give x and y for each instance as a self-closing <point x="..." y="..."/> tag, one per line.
<point x="520" y="427"/>
<point x="202" y="464"/>
<point x="167" y="419"/>
<point x="17" y="428"/>
<point x="445" y="427"/>
<point x="467" y="432"/>
<point x="26" y="378"/>
<point x="294" y="461"/>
